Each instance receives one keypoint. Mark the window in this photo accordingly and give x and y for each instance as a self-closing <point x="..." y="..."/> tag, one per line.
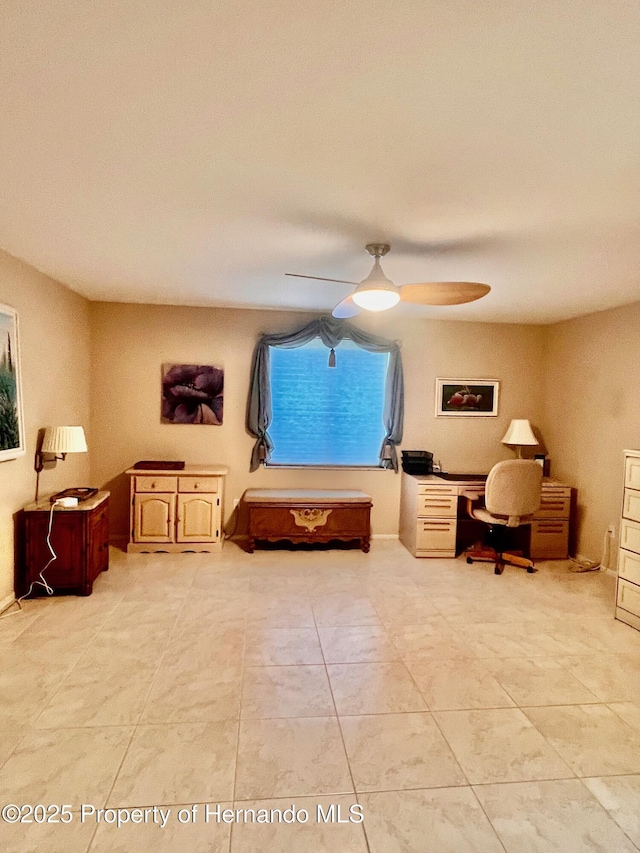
<point x="322" y="415"/>
<point x="326" y="416"/>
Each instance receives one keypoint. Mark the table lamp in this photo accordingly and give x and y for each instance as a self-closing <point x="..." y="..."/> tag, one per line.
<point x="57" y="442"/>
<point x="520" y="435"/>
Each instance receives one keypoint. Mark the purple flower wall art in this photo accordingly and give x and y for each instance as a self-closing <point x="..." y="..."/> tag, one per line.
<point x="192" y="394"/>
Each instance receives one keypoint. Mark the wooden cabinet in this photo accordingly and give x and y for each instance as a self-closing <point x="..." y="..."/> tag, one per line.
<point x="308" y="515"/>
<point x="177" y="510"/>
<point x="429" y="510"/>
<point x="628" y="586"/>
<point x="79" y="537"/>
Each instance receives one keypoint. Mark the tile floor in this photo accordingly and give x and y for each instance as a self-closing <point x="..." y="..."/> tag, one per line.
<point x="461" y="711"/>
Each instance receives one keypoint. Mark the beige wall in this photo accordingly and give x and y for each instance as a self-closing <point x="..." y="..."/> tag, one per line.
<point x="573" y="380"/>
<point x="592" y="412"/>
<point x="54" y="355"/>
<point x="131" y="342"/>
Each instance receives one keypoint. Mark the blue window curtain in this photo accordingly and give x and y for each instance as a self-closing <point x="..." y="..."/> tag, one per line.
<point x="331" y="332"/>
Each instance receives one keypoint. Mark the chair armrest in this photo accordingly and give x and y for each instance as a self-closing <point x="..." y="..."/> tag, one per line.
<point x="472" y="498"/>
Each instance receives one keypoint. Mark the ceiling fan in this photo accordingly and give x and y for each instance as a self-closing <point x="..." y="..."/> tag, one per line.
<point x="378" y="293"/>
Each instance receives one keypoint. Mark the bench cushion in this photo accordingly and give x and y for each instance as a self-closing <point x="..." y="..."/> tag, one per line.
<point x="306" y="496"/>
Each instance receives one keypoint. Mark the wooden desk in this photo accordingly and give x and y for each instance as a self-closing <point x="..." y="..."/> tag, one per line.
<point x="430" y="511"/>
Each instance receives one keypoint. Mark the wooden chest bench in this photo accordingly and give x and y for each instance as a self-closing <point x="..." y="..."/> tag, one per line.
<point x="308" y="515"/>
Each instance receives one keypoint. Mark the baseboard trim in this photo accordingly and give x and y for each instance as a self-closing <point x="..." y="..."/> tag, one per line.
<point x="6" y="603"/>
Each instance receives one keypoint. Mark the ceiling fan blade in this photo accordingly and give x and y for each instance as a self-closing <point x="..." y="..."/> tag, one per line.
<point x="443" y="292"/>
<point x="346" y="308"/>
<point x="320" y="278"/>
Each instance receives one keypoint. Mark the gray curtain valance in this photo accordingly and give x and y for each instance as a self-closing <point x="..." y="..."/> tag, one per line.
<point x="331" y="332"/>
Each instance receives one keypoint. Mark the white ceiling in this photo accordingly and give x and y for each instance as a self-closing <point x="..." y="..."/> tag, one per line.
<point x="193" y="151"/>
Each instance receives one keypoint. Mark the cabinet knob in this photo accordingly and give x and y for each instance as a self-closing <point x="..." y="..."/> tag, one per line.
<point x="153" y="485"/>
<point x="195" y="486"/>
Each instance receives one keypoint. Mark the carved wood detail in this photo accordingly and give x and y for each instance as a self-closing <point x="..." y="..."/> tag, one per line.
<point x="310" y="518"/>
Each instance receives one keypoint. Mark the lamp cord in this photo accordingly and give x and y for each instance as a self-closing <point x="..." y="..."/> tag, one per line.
<point x="42" y="581"/>
<point x="593" y="565"/>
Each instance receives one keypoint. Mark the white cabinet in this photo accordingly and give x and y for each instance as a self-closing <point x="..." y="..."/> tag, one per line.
<point x="177" y="511"/>
<point x="628" y="588"/>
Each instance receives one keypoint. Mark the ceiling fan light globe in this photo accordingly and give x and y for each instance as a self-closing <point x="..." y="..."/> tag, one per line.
<point x="376" y="299"/>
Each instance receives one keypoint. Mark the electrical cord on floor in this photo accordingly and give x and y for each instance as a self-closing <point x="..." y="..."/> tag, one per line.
<point x="42" y="581"/>
<point x="584" y="565"/>
<point x="236" y="513"/>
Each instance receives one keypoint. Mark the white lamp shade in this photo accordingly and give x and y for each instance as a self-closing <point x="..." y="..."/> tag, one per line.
<point x="376" y="292"/>
<point x="520" y="433"/>
<point x="65" y="439"/>
<point x="376" y="299"/>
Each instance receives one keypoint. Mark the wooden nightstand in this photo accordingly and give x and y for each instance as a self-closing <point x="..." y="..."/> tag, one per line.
<point x="80" y="538"/>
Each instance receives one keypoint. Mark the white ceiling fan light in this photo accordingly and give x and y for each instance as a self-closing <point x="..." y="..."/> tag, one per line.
<point x="378" y="293"/>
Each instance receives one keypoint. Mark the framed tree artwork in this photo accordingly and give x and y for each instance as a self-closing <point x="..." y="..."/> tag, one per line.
<point x="12" y="442"/>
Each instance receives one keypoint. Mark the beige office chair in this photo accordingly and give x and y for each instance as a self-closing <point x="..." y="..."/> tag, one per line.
<point x="512" y="495"/>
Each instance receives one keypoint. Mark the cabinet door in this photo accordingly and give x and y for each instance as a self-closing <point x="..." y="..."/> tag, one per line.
<point x="630" y="535"/>
<point x="67" y="540"/>
<point x="436" y="534"/>
<point x="153" y="518"/>
<point x="629" y="597"/>
<point x="198" y="518"/>
<point x="631" y="504"/>
<point x="550" y="539"/>
<point x="99" y="540"/>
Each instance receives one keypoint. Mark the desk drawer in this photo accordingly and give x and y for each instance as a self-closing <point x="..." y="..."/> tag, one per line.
<point x="630" y="535"/>
<point x="198" y="484"/>
<point x="553" y="505"/>
<point x="631" y="504"/>
<point x="437" y="505"/>
<point x="549" y="540"/>
<point x="156" y="484"/>
<point x="629" y="597"/>
<point x="629" y="566"/>
<point x="436" y="534"/>
<point x="436" y="489"/>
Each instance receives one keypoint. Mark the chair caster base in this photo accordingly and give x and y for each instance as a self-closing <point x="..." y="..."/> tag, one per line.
<point x="530" y="570"/>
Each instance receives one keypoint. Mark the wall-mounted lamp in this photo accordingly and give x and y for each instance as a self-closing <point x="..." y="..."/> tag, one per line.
<point x="56" y="443"/>
<point x="520" y="435"/>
